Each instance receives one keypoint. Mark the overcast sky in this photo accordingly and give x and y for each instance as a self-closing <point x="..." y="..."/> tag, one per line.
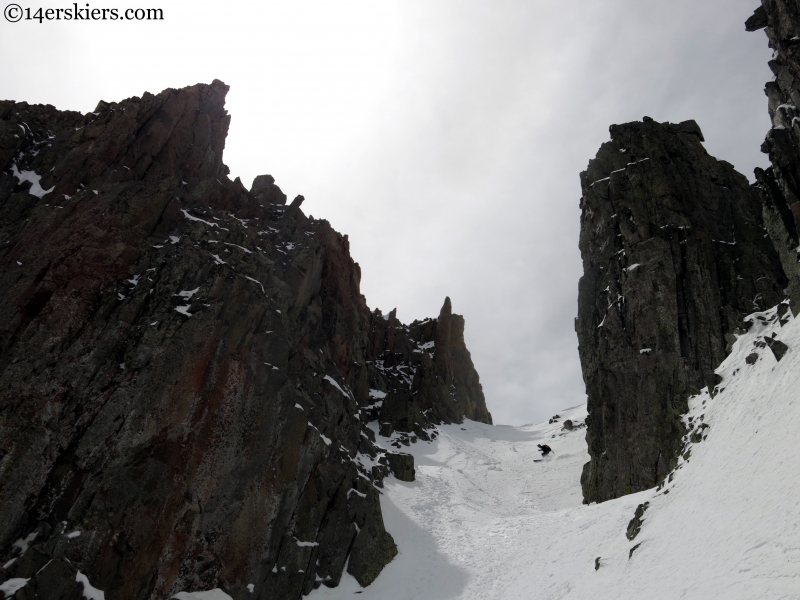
<point x="445" y="137"/>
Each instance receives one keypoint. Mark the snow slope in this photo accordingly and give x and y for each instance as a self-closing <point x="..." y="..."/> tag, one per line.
<point x="483" y="520"/>
<point x="727" y="526"/>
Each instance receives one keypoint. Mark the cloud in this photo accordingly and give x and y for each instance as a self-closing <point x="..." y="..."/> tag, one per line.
<point x="445" y="138"/>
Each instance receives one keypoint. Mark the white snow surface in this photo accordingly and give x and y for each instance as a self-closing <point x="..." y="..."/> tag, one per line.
<point x="334" y="383"/>
<point x="36" y="187"/>
<point x="23" y="543"/>
<point x="89" y="591"/>
<point x="258" y="282"/>
<point x="215" y="594"/>
<point x="184" y="310"/>
<point x="12" y="586"/>
<point x="483" y="520"/>
<point x="188" y="293"/>
<point x="325" y="439"/>
<point x="193" y="218"/>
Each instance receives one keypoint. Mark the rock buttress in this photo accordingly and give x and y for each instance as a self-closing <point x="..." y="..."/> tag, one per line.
<point x="185" y="365"/>
<point x="422" y="374"/>
<point x="674" y="255"/>
<point x="779" y="185"/>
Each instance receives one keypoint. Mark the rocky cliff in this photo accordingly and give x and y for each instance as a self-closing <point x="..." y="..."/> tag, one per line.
<point x="675" y="254"/>
<point x="188" y="367"/>
<point x="780" y="184"/>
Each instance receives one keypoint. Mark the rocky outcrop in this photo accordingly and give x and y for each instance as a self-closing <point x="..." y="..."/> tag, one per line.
<point x="188" y="367"/>
<point x="780" y="184"/>
<point x="675" y="255"/>
<point x="422" y="374"/>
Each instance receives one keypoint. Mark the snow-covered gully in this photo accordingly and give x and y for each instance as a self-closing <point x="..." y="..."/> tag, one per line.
<point x="484" y="520"/>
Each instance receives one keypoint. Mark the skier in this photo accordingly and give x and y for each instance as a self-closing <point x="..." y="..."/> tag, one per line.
<point x="544" y="449"/>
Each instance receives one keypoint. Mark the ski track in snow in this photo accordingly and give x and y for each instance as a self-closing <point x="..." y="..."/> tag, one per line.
<point x="484" y="521"/>
<point x="482" y="517"/>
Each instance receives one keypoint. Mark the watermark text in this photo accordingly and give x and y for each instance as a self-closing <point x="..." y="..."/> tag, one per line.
<point x="15" y="13"/>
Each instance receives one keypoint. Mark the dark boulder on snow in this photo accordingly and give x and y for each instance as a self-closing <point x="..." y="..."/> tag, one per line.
<point x="370" y="553"/>
<point x="779" y="349"/>
<point x="674" y="256"/>
<point x="401" y="465"/>
<point x="187" y="367"/>
<point x="634" y="549"/>
<point x="635" y="524"/>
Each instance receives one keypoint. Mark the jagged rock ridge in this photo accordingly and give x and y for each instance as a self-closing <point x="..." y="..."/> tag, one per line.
<point x="187" y="367"/>
<point x="675" y="254"/>
<point x="429" y="370"/>
<point x="780" y="184"/>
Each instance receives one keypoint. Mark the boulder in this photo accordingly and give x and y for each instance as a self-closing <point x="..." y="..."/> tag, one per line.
<point x="265" y="191"/>
<point x="635" y="525"/>
<point x="779" y="349"/>
<point x="401" y="465"/>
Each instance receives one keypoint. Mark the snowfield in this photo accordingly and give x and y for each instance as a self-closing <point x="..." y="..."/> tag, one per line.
<point x="484" y="520"/>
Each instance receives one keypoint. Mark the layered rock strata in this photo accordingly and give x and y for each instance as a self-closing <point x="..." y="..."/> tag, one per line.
<point x="675" y="254"/>
<point x="188" y="367"/>
<point x="780" y="184"/>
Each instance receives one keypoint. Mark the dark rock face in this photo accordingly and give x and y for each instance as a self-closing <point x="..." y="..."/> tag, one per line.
<point x="675" y="254"/>
<point x="187" y="367"/>
<point x="780" y="184"/>
<point x="55" y="579"/>
<point x="401" y="465"/>
<point x="422" y="374"/>
<point x="266" y="192"/>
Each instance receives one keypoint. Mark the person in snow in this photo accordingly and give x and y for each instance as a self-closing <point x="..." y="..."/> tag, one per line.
<point x="544" y="449"/>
